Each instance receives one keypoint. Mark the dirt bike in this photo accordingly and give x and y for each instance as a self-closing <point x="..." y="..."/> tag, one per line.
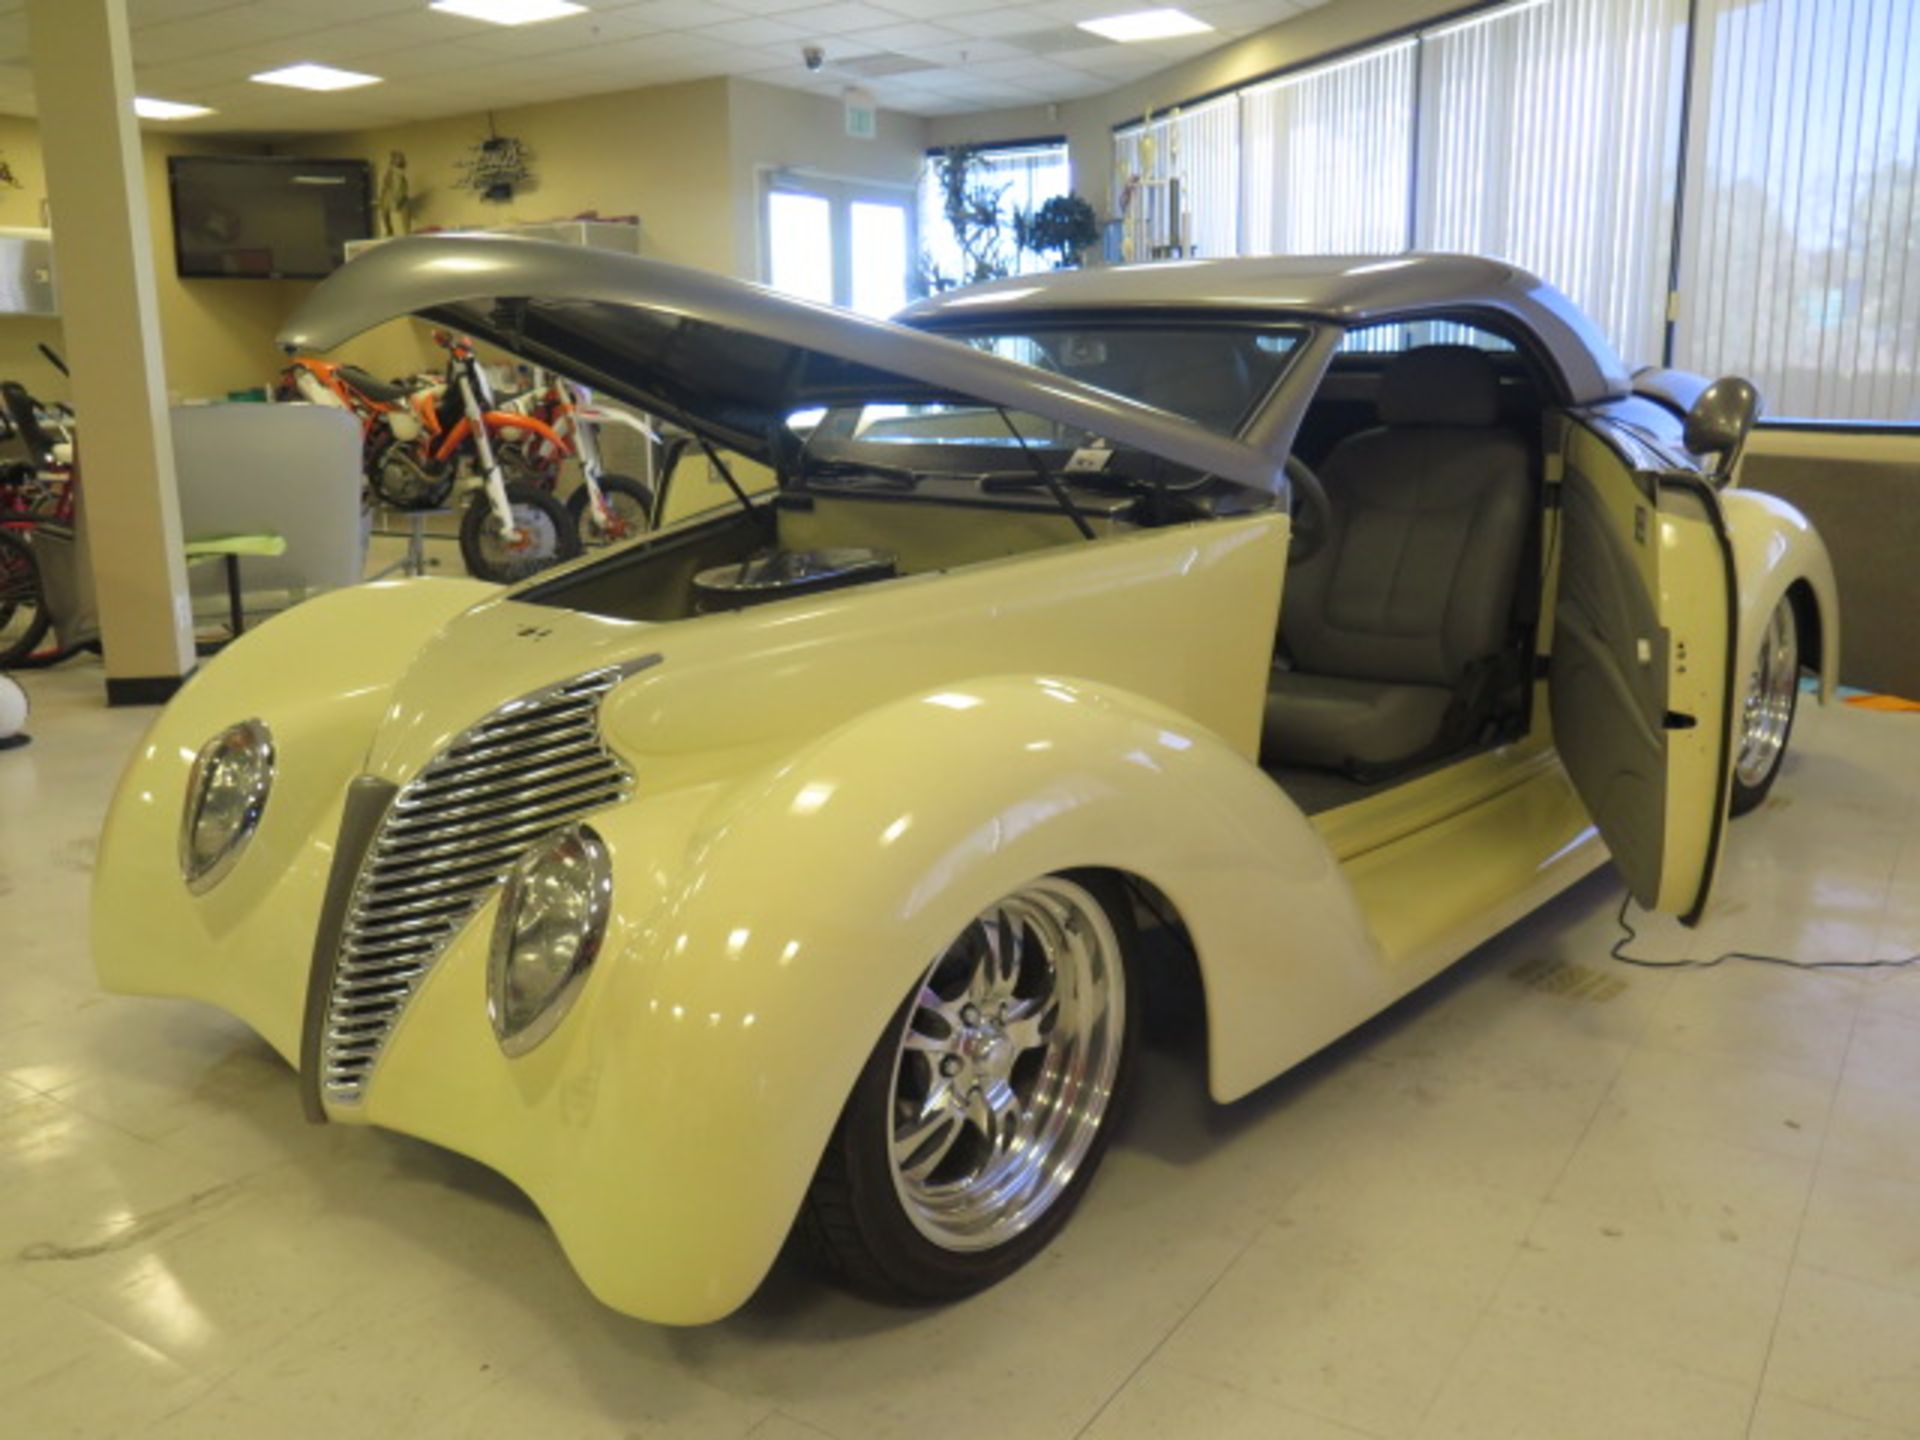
<point x="511" y="527"/>
<point x="361" y="394"/>
<point x="606" y="507"/>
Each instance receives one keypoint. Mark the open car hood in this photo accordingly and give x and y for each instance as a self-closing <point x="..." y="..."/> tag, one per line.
<point x="726" y="359"/>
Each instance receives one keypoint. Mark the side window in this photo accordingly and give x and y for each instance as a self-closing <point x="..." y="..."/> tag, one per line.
<point x="1394" y="336"/>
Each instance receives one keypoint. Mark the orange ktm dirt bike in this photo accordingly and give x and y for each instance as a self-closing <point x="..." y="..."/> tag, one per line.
<point x="452" y="433"/>
<point x="361" y="394"/>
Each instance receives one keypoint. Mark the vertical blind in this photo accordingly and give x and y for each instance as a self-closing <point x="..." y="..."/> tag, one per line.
<point x="1200" y="146"/>
<point x="1548" y="132"/>
<point x="1800" y="262"/>
<point x="1326" y="158"/>
<point x="1549" y="136"/>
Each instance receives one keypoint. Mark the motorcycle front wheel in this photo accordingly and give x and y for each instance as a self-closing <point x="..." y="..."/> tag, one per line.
<point x="547" y="536"/>
<point x="629" y="511"/>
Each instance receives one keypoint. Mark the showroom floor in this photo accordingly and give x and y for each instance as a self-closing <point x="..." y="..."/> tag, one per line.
<point x="1549" y="1198"/>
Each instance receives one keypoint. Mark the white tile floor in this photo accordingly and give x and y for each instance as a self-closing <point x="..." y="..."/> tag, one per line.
<point x="1548" y="1198"/>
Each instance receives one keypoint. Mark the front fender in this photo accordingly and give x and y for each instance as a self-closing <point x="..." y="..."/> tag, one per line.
<point x="1774" y="547"/>
<point x="767" y="930"/>
<point x="320" y="677"/>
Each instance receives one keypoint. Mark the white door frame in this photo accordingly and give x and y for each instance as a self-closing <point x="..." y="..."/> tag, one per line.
<point x="841" y="192"/>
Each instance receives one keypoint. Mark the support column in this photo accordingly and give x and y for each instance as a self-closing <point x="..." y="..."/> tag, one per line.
<point x="110" y="320"/>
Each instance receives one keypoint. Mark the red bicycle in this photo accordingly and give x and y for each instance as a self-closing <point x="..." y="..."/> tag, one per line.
<point x="38" y="475"/>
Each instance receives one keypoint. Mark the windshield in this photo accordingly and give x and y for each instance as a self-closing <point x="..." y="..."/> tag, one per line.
<point x="1217" y="375"/>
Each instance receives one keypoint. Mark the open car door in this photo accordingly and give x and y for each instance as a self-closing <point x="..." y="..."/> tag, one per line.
<point x="1641" y="679"/>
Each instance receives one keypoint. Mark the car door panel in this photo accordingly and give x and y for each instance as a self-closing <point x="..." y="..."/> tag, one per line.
<point x="1640" y="685"/>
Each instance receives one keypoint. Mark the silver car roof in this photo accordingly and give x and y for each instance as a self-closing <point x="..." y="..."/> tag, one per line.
<point x="460" y="279"/>
<point x="1346" y="290"/>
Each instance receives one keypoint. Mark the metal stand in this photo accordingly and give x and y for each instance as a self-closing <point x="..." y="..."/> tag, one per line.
<point x="414" y="563"/>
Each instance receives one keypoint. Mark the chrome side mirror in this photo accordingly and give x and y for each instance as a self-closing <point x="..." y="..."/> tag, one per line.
<point x="1719" y="421"/>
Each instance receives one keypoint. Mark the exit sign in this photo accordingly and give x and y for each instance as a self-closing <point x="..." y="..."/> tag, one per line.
<point x="863" y="118"/>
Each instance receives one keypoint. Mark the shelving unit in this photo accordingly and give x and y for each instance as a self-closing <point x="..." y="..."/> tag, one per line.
<point x="623" y="237"/>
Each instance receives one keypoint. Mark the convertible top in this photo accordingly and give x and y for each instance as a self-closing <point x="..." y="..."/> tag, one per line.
<point x="725" y="358"/>
<point x="1346" y="290"/>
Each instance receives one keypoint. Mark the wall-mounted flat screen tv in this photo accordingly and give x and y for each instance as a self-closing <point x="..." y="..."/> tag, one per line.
<point x="246" y="217"/>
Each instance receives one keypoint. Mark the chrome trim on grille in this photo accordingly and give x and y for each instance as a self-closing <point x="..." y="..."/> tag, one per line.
<point x="448" y="837"/>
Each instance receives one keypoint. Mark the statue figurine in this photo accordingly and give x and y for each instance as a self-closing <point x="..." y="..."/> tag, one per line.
<point x="395" y="201"/>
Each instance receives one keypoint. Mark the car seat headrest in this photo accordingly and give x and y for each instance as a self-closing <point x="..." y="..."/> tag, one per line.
<point x="1440" y="385"/>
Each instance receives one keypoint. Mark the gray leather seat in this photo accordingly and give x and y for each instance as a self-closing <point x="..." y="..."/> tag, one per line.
<point x="1410" y="598"/>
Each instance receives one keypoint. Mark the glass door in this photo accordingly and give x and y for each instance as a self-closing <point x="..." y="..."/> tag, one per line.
<point x="841" y="242"/>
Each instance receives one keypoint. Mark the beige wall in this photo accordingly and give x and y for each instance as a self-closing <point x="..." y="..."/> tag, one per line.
<point x="773" y="129"/>
<point x="1088" y="124"/>
<point x="660" y="153"/>
<point x="218" y="334"/>
<point x="688" y="159"/>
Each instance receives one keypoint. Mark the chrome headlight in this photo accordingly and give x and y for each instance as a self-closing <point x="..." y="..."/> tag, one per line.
<point x="552" y="920"/>
<point x="226" y="793"/>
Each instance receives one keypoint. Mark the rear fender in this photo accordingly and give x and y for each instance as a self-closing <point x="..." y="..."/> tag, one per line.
<point x="1774" y="548"/>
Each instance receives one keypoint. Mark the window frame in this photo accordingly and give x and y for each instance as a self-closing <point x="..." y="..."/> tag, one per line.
<point x="841" y="193"/>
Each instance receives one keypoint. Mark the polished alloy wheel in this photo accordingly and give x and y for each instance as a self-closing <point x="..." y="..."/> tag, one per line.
<point x="1772" y="687"/>
<point x="1006" y="1065"/>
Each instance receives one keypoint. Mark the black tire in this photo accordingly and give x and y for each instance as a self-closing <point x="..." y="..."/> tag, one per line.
<point x="553" y="537"/>
<point x="630" y="501"/>
<point x="854" y="1225"/>
<point x="1750" y="789"/>
<point x="24" y="620"/>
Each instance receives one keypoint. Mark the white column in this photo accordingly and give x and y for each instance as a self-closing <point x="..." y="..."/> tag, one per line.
<point x="110" y="320"/>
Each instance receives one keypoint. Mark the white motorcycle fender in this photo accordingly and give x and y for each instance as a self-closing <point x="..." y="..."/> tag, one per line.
<point x="315" y="393"/>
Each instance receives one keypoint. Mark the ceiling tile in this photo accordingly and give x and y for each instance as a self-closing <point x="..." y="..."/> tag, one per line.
<point x="497" y="42"/>
<point x="770" y="7"/>
<point x="754" y="30"/>
<point x="1006" y="20"/>
<point x="964" y="51"/>
<point x="1073" y="11"/>
<point x="983" y="54"/>
<point x="222" y="32"/>
<point x="922" y="9"/>
<point x="902" y="33"/>
<point x="673" y="14"/>
<point x="823" y="20"/>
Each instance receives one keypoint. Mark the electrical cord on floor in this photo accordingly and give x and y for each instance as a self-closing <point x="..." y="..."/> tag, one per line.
<point x="1629" y="935"/>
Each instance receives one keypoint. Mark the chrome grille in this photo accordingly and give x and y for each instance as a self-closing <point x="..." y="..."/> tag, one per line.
<point x="450" y="835"/>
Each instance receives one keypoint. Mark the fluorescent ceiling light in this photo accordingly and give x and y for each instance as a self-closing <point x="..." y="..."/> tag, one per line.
<point x="308" y="76"/>
<point x="148" y="109"/>
<point x="1146" y="25"/>
<point x="508" y="12"/>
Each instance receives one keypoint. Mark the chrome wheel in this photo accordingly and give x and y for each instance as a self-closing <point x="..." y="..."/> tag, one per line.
<point x="1772" y="688"/>
<point x="1005" y="1068"/>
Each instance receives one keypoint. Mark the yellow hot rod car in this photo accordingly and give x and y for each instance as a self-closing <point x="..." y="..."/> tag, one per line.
<point x="782" y="872"/>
